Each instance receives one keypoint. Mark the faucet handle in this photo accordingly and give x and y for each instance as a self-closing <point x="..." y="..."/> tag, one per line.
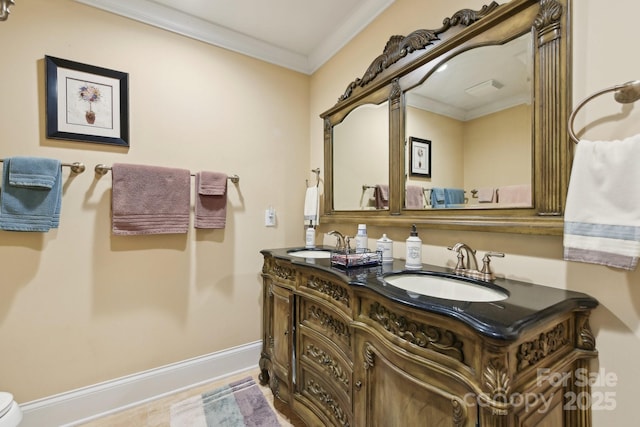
<point x="489" y="254"/>
<point x="486" y="267"/>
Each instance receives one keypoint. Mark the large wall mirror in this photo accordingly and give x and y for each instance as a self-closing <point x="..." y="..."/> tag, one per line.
<point x="461" y="127"/>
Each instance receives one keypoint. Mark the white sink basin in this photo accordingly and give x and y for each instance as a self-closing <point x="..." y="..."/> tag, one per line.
<point x="310" y="253"/>
<point x="444" y="287"/>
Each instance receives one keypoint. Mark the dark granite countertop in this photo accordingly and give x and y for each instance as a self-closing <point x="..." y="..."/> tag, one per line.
<point x="526" y="305"/>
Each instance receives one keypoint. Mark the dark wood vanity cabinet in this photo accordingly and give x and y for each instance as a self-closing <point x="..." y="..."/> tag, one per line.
<point x="339" y="353"/>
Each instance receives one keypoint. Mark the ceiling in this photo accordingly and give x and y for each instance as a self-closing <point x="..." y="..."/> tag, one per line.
<point x="303" y="34"/>
<point x="297" y="34"/>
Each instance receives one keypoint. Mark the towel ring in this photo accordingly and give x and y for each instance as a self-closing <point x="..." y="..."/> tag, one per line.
<point x="625" y="93"/>
<point x="317" y="172"/>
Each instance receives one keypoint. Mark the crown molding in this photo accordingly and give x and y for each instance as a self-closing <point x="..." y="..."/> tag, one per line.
<point x="187" y="25"/>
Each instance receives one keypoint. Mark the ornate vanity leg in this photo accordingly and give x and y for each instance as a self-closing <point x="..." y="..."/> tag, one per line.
<point x="264" y="369"/>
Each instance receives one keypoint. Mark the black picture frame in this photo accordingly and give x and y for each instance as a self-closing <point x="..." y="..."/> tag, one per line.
<point x="420" y="157"/>
<point x="71" y="88"/>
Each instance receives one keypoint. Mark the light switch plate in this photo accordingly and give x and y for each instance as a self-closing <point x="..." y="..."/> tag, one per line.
<point x="270" y="217"/>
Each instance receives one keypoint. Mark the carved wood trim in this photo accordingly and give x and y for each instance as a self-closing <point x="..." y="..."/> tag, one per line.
<point x="369" y="357"/>
<point x="459" y="413"/>
<point x="274" y="385"/>
<point x="497" y="384"/>
<point x="283" y="272"/>
<point x="329" y="365"/>
<point x="330" y="323"/>
<point x="531" y="352"/>
<point x="552" y="170"/>
<point x="329" y="288"/>
<point x="400" y="46"/>
<point x="431" y="337"/>
<point x="586" y="340"/>
<point x="547" y="21"/>
<point x="328" y="401"/>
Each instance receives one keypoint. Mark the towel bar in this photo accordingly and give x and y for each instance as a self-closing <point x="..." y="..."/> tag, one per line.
<point x="76" y="167"/>
<point x="102" y="169"/>
<point x="625" y="93"/>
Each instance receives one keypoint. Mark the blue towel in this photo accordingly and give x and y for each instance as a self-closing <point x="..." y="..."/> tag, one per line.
<point x="453" y="196"/>
<point x="437" y="198"/>
<point x="31" y="194"/>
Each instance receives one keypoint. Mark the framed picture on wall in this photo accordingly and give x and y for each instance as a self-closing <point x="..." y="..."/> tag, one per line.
<point x="420" y="157"/>
<point x="86" y="103"/>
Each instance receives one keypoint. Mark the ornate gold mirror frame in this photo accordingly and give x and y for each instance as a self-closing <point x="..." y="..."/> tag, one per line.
<point x="407" y="61"/>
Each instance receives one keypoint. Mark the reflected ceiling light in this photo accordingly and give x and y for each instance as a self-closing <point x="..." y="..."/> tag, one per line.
<point x="485" y="88"/>
<point x="441" y="68"/>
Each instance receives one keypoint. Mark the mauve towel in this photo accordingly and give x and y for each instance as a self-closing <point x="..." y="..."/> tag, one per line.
<point x="211" y="200"/>
<point x="415" y="197"/>
<point x="381" y="193"/>
<point x="149" y="199"/>
<point x="515" y="195"/>
<point x="31" y="194"/>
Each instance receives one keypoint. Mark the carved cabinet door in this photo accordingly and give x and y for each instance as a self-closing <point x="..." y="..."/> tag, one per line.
<point x="393" y="388"/>
<point x="281" y="351"/>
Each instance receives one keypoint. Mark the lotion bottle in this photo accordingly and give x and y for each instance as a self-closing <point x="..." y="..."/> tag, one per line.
<point x="414" y="250"/>
<point x="385" y="245"/>
<point x="310" y="237"/>
<point x="362" y="240"/>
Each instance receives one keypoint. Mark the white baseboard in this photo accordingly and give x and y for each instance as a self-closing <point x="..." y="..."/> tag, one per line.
<point x="84" y="404"/>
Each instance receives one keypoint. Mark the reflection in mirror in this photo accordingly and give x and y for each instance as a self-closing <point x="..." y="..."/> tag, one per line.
<point x="476" y="111"/>
<point x="361" y="159"/>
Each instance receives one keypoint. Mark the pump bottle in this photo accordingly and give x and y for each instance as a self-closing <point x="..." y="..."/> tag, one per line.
<point x="414" y="250"/>
<point x="310" y="237"/>
<point x="362" y="238"/>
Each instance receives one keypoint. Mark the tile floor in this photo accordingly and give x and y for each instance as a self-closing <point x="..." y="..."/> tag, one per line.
<point x="156" y="413"/>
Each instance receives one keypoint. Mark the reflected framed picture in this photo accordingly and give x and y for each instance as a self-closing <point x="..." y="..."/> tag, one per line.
<point x="86" y="103"/>
<point x="420" y="158"/>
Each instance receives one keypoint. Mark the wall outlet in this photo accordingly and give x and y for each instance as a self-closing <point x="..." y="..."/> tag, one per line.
<point x="270" y="217"/>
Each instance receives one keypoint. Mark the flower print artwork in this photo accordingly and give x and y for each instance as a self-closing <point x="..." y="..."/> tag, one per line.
<point x="90" y="94"/>
<point x="420" y="157"/>
<point x="86" y="103"/>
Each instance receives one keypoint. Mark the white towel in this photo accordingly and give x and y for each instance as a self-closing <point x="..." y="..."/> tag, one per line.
<point x="602" y="216"/>
<point x="312" y="206"/>
<point x="485" y="195"/>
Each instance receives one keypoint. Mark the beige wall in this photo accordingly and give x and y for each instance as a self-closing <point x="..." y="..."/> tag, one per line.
<point x="361" y="156"/>
<point x="497" y="148"/>
<point x="489" y="151"/>
<point x="78" y="305"/>
<point x="600" y="59"/>
<point x="447" y="143"/>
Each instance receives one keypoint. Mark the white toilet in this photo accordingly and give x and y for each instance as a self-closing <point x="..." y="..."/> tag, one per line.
<point x="10" y="413"/>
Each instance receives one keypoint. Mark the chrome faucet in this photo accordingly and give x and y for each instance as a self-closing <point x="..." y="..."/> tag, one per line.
<point x="470" y="269"/>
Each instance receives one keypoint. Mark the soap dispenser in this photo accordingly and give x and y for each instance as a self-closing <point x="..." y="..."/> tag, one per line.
<point x="310" y="237"/>
<point x="385" y="245"/>
<point x="414" y="250"/>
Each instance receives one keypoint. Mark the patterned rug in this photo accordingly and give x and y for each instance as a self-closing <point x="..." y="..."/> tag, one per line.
<point x="239" y="404"/>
